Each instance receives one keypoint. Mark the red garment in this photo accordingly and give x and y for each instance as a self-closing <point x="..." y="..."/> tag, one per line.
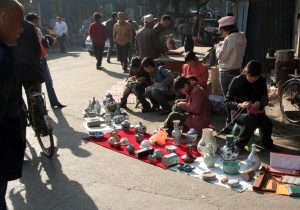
<point x="97" y="33"/>
<point x="200" y="71"/>
<point x="198" y="108"/>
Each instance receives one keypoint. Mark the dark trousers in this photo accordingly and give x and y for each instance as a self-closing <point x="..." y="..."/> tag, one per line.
<point x="3" y="188"/>
<point x="161" y="98"/>
<point x="139" y="92"/>
<point x="123" y="55"/>
<point x="225" y="78"/>
<point x="62" y="43"/>
<point x="110" y="49"/>
<point x="251" y="123"/>
<point x="49" y="84"/>
<point x="98" y="50"/>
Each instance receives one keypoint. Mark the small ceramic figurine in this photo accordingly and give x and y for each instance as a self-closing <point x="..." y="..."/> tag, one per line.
<point x="125" y="125"/>
<point x="107" y="118"/>
<point x="253" y="161"/>
<point x="157" y="154"/>
<point x="112" y="140"/>
<point x="189" y="157"/>
<point x="108" y="98"/>
<point x="176" y="133"/>
<point x="192" y="137"/>
<point x="229" y="151"/>
<point x="140" y="128"/>
<point x="139" y="138"/>
<point x="130" y="148"/>
<point x="210" y="157"/>
<point x="207" y="137"/>
<point x="114" y="133"/>
<point x="97" y="107"/>
<point x="145" y="144"/>
<point x="124" y="141"/>
<point x="118" y="119"/>
<point x="118" y="110"/>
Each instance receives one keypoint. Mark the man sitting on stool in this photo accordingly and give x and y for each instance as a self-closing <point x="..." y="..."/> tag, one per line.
<point x="248" y="92"/>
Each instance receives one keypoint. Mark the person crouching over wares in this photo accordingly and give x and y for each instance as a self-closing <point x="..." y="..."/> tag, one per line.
<point x="192" y="112"/>
<point x="248" y="92"/>
<point x="138" y="80"/>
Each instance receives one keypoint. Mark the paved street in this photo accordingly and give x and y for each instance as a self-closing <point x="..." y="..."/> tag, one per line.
<point x="86" y="176"/>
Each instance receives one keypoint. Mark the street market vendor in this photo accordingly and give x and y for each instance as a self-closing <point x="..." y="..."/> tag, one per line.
<point x="194" y="111"/>
<point x="248" y="92"/>
<point x="195" y="68"/>
<point x="137" y="81"/>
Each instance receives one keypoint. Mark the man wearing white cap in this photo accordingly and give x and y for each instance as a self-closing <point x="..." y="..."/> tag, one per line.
<point x="144" y="44"/>
<point x="230" y="54"/>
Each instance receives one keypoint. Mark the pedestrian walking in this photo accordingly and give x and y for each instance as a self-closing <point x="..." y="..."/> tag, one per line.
<point x="97" y="32"/>
<point x="230" y="54"/>
<point x="55" y="104"/>
<point x="159" y="35"/>
<point x="144" y="45"/>
<point x="123" y="36"/>
<point x="12" y="143"/>
<point x="109" y="29"/>
<point x="61" y="30"/>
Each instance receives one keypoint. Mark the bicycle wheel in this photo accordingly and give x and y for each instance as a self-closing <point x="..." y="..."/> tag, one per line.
<point x="47" y="143"/>
<point x="290" y="100"/>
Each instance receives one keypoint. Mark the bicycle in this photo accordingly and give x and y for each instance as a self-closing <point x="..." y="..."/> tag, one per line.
<point x="37" y="117"/>
<point x="290" y="99"/>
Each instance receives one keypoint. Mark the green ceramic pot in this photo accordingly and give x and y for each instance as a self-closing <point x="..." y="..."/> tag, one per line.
<point x="231" y="167"/>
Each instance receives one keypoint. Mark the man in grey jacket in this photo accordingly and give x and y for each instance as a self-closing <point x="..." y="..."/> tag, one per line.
<point x="161" y="91"/>
<point x="145" y="48"/>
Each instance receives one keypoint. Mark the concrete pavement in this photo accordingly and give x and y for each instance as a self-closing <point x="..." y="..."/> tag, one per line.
<point x="86" y="176"/>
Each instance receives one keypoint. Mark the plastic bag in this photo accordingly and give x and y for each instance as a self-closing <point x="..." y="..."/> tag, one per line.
<point x="159" y="138"/>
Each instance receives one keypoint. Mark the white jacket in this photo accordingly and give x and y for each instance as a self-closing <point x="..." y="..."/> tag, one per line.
<point x="231" y="51"/>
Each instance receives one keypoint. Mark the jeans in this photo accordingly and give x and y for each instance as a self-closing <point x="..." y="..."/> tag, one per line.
<point x="251" y="123"/>
<point x="110" y="49"/>
<point x="62" y="43"/>
<point x="3" y="188"/>
<point x="122" y="52"/>
<point x="49" y="84"/>
<point x="98" y="50"/>
<point x="138" y="91"/>
<point x="225" y="78"/>
<point x="161" y="98"/>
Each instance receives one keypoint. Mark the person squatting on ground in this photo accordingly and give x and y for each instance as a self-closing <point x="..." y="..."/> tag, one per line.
<point x="161" y="91"/>
<point x="98" y="35"/>
<point x="109" y="29"/>
<point x="248" y="92"/>
<point x="137" y="82"/>
<point x="192" y="112"/>
<point x="55" y="104"/>
<point x="61" y="30"/>
<point x="12" y="141"/>
<point x="123" y="36"/>
<point x="230" y="53"/>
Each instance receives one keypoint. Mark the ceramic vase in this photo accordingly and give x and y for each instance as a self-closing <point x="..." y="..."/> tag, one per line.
<point x="229" y="151"/>
<point x="192" y="137"/>
<point x="125" y="125"/>
<point x="207" y="138"/>
<point x="107" y="118"/>
<point x="176" y="133"/>
<point x="140" y="128"/>
<point x="210" y="157"/>
<point x="189" y="157"/>
<point x="139" y="138"/>
<point x="253" y="161"/>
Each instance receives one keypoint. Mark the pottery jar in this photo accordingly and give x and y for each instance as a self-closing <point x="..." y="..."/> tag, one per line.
<point x="207" y="138"/>
<point x="210" y="157"/>
<point x="139" y="138"/>
<point x="229" y="151"/>
<point x="140" y="128"/>
<point x="189" y="157"/>
<point x="125" y="125"/>
<point x="176" y="133"/>
<point x="192" y="136"/>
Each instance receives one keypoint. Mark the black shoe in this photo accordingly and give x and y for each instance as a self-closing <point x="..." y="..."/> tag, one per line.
<point x="59" y="106"/>
<point x="108" y="61"/>
<point x="99" y="67"/>
<point x="165" y="112"/>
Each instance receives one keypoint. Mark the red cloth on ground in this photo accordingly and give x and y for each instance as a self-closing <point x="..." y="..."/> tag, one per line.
<point x="98" y="34"/>
<point x="181" y="149"/>
<point x="200" y="71"/>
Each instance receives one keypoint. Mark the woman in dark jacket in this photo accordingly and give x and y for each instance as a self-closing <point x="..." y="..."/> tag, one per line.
<point x="248" y="92"/>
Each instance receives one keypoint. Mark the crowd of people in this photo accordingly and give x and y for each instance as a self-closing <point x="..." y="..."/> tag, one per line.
<point x="23" y="62"/>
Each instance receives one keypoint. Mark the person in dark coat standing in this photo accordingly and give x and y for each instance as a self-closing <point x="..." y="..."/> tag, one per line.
<point x="12" y="144"/>
<point x="109" y="28"/>
<point x="98" y="36"/>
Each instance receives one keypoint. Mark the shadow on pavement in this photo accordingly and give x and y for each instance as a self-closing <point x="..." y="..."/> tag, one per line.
<point x="120" y="75"/>
<point x="57" y="55"/>
<point x="47" y="187"/>
<point x="67" y="137"/>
